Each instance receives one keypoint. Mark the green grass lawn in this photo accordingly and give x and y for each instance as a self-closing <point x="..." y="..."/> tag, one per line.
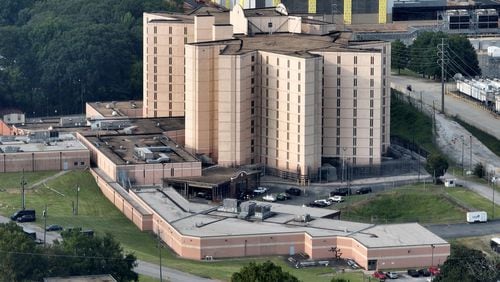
<point x="13" y="179"/>
<point x="474" y="200"/>
<point x="402" y="116"/>
<point x="488" y="140"/>
<point x="410" y="204"/>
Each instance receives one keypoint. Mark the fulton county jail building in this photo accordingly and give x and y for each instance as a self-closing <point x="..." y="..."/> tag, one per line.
<point x="262" y="86"/>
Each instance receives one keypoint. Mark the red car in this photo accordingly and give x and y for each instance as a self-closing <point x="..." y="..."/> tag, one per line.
<point x="434" y="270"/>
<point x="379" y="275"/>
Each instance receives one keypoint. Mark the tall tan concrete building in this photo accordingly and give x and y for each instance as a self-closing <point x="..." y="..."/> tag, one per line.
<point x="283" y="91"/>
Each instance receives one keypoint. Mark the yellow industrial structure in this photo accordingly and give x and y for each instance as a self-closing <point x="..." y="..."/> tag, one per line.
<point x="312" y="7"/>
<point x="382" y="11"/>
<point x="347" y="11"/>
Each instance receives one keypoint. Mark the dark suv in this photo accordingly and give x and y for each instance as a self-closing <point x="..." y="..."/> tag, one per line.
<point x="364" y="190"/>
<point x="341" y="192"/>
<point x="26" y="218"/>
<point x="293" y="191"/>
<point x="21" y="213"/>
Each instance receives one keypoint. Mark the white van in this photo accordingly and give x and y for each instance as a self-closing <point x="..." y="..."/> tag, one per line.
<point x="478" y="216"/>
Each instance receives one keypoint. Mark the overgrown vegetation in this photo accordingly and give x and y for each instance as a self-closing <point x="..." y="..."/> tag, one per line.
<point x="488" y="140"/>
<point x="57" y="54"/>
<point x="409" y="124"/>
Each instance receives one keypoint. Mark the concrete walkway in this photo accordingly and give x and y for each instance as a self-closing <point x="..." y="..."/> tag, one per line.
<point x="480" y="189"/>
<point x="45" y="180"/>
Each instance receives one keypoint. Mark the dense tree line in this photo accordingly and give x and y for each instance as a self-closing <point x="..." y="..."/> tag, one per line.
<point x="423" y="55"/>
<point x="56" y="54"/>
<point x="469" y="265"/>
<point x="22" y="260"/>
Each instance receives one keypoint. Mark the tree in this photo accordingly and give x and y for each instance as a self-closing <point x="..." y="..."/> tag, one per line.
<point x="78" y="254"/>
<point x="58" y="54"/>
<point x="479" y="170"/>
<point x="18" y="259"/>
<point x="265" y="272"/>
<point x="467" y="265"/>
<point x="399" y="55"/>
<point x="459" y="55"/>
<point x="95" y="255"/>
<point x="436" y="165"/>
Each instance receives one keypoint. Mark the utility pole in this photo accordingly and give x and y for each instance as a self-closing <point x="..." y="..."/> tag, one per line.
<point x="433" y="118"/>
<point x="77" y="192"/>
<point x="470" y="158"/>
<point x="159" y="250"/>
<point x="23" y="196"/>
<point x="441" y="50"/>
<point x="463" y="141"/>
<point x="45" y="226"/>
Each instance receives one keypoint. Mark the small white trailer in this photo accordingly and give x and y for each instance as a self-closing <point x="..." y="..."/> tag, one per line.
<point x="477" y="216"/>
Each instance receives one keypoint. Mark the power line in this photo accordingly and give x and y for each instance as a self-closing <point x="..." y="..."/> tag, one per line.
<point x="63" y="256"/>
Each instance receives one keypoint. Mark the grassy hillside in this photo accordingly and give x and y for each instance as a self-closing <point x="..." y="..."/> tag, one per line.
<point x="408" y="123"/>
<point x="488" y="140"/>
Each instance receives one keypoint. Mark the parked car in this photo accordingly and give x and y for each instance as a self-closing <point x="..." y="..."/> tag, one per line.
<point x="352" y="264"/>
<point x="54" y="227"/>
<point x="204" y="195"/>
<point x="317" y="204"/>
<point x="269" y="198"/>
<point x="26" y="218"/>
<point x="260" y="190"/>
<point x="323" y="201"/>
<point x="391" y="275"/>
<point x="294" y="191"/>
<point x="336" y="199"/>
<point x="434" y="270"/>
<point x="364" y="190"/>
<point x="413" y="273"/>
<point x="283" y="196"/>
<point x="379" y="275"/>
<point x="424" y="272"/>
<point x="20" y="213"/>
<point x="341" y="192"/>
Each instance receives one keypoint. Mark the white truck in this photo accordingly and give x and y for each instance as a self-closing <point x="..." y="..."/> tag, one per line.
<point x="477" y="216"/>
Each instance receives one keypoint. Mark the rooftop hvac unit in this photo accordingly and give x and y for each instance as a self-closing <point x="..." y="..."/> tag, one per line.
<point x="11" y="149"/>
<point x="303" y="218"/>
<point x="263" y="211"/>
<point x="230" y="205"/>
<point x="247" y="209"/>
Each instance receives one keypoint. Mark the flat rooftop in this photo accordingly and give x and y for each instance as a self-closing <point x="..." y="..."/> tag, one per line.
<point x="120" y="148"/>
<point x="207" y="221"/>
<point x="299" y="45"/>
<point x="404" y="234"/>
<point x="66" y="142"/>
<point x="221" y="16"/>
<point x="215" y="175"/>
<point x="116" y="109"/>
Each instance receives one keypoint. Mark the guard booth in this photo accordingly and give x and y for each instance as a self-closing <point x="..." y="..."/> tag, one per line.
<point x="450" y="183"/>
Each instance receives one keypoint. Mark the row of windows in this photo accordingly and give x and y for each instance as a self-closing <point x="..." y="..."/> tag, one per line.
<point x="155" y="30"/>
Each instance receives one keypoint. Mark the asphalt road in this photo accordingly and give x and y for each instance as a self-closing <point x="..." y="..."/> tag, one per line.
<point x="431" y="91"/>
<point x="449" y="231"/>
<point x="169" y="274"/>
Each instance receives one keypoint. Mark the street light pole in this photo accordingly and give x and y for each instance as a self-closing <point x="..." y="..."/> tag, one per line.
<point x="470" y="158"/>
<point x="23" y="196"/>
<point x="463" y="141"/>
<point x="45" y="226"/>
<point x="77" y="192"/>
<point x="432" y="257"/>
